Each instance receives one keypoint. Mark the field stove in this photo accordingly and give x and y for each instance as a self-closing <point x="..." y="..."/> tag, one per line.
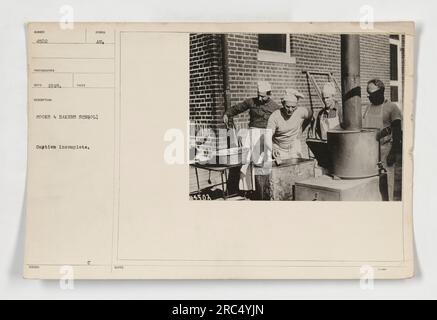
<point x="354" y="169"/>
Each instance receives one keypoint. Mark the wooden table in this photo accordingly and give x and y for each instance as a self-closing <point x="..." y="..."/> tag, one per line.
<point x="222" y="169"/>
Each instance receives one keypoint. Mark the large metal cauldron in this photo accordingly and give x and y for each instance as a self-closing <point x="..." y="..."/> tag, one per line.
<point x="354" y="154"/>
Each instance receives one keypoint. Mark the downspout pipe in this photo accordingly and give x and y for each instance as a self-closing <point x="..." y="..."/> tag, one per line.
<point x="226" y="83"/>
<point x="350" y="82"/>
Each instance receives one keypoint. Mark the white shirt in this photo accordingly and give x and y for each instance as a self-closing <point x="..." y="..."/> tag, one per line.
<point x="285" y="132"/>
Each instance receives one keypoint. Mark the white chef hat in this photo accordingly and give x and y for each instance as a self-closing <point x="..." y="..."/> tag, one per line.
<point x="264" y="87"/>
<point x="292" y="96"/>
<point x="329" y="89"/>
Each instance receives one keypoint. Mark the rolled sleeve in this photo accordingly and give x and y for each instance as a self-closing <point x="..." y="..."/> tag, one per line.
<point x="395" y="113"/>
<point x="304" y="113"/>
<point x="239" y="108"/>
<point x="272" y="123"/>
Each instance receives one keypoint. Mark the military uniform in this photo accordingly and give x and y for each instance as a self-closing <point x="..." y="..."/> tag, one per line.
<point x="259" y="111"/>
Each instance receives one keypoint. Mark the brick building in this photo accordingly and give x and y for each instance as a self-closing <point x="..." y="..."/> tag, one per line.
<point x="281" y="59"/>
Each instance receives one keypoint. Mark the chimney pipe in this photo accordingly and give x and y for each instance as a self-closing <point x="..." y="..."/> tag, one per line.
<point x="350" y="82"/>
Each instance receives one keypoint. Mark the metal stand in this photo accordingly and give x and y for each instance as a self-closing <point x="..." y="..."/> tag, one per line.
<point x="222" y="170"/>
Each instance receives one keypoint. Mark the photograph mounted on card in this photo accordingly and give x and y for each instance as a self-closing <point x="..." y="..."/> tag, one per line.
<point x="220" y="151"/>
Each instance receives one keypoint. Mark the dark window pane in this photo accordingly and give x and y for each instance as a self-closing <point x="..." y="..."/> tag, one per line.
<point x="394" y="93"/>
<point x="394" y="36"/>
<point x="272" y="42"/>
<point x="394" y="62"/>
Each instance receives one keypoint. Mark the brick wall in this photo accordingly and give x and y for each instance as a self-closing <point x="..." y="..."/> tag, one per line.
<point x="246" y="70"/>
<point x="312" y="52"/>
<point x="319" y="53"/>
<point x="375" y="62"/>
<point x="206" y="77"/>
<point x="206" y="81"/>
<point x="322" y="53"/>
<point x="316" y="52"/>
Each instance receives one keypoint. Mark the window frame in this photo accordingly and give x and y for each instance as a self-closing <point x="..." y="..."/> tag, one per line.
<point x="276" y="56"/>
<point x="398" y="83"/>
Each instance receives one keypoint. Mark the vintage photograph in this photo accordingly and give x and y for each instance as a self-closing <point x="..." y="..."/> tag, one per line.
<point x="247" y="113"/>
<point x="296" y="117"/>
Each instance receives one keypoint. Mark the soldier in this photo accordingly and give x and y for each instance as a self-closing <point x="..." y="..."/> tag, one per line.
<point x="386" y="116"/>
<point x="286" y="126"/>
<point x="260" y="109"/>
<point x="329" y="117"/>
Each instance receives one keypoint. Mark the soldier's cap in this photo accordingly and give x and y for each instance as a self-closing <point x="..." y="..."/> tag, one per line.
<point x="264" y="87"/>
<point x="329" y="90"/>
<point x="292" y="96"/>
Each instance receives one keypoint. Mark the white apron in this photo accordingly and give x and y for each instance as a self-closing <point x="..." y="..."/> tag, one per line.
<point x="375" y="121"/>
<point x="293" y="151"/>
<point x="327" y="124"/>
<point x="254" y="142"/>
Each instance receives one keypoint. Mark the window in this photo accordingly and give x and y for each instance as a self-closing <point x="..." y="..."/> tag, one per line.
<point x="274" y="48"/>
<point x="272" y="42"/>
<point x="395" y="69"/>
<point x="394" y="72"/>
